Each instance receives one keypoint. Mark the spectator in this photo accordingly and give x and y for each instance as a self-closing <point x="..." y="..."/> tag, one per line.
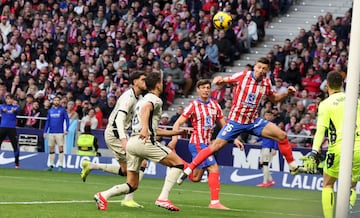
<point x="212" y="53"/>
<point x="224" y="46"/>
<point x="99" y="116"/>
<point x="241" y="32"/>
<point x="291" y="124"/>
<point x="252" y="31"/>
<point x="312" y="83"/>
<point x="297" y="136"/>
<point x="169" y="92"/>
<point x="165" y="118"/>
<point x="89" y="119"/>
<point x="175" y="72"/>
<point x="173" y="118"/>
<point x="32" y="121"/>
<point x="70" y="109"/>
<point x="279" y="87"/>
<point x="308" y="123"/>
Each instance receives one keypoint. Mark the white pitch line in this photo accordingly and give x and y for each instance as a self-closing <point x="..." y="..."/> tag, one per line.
<point x="175" y="189"/>
<point x="182" y="205"/>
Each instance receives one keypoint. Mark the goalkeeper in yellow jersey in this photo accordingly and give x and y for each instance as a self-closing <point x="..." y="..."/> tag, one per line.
<point x="331" y="120"/>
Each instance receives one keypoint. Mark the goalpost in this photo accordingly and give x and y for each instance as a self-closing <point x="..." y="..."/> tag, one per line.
<point x="352" y="88"/>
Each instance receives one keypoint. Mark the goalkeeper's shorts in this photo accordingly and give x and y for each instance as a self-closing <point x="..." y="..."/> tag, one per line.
<point x="332" y="165"/>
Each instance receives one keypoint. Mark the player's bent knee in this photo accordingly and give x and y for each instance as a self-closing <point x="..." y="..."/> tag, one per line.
<point x="132" y="188"/>
<point x="144" y="164"/>
<point x="122" y="173"/>
<point x="282" y="136"/>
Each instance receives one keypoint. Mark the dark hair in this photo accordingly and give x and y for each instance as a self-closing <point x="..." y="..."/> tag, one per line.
<point x="136" y="75"/>
<point x="151" y="80"/>
<point x="263" y="60"/>
<point x="334" y="80"/>
<point x="87" y="129"/>
<point x="11" y="96"/>
<point x="203" y="82"/>
<point x="268" y="112"/>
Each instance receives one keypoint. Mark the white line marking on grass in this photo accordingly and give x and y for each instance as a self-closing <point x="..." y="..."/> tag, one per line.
<point x="182" y="205"/>
<point x="174" y="189"/>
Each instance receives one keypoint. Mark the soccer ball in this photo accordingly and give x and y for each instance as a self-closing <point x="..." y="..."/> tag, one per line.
<point x="222" y="20"/>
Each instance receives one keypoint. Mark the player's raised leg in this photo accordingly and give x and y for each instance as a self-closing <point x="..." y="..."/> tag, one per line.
<point x="272" y="131"/>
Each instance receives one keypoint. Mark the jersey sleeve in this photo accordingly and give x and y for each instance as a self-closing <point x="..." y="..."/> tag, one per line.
<point x="188" y="111"/>
<point x="125" y="103"/>
<point x="236" y="77"/>
<point x="323" y="121"/>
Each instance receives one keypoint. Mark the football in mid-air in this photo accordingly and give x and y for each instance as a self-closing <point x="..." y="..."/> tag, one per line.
<point x="222" y="20"/>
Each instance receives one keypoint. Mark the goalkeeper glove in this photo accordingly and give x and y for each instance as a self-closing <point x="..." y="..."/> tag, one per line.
<point x="311" y="161"/>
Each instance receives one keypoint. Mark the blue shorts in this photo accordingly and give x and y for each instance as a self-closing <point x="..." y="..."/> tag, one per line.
<point x="232" y="129"/>
<point x="195" y="149"/>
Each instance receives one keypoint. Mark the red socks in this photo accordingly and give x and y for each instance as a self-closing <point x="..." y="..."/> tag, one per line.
<point x="214" y="184"/>
<point x="286" y="151"/>
<point x="203" y="154"/>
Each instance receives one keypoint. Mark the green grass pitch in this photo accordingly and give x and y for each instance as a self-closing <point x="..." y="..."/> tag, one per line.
<point x="25" y="193"/>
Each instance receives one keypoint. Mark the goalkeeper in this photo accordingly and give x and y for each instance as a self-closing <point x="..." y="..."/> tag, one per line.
<point x="330" y="120"/>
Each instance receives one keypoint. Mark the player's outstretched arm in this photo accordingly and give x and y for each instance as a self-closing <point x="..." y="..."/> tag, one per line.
<point x="181" y="120"/>
<point x="164" y="132"/>
<point x="279" y="97"/>
<point x="220" y="81"/>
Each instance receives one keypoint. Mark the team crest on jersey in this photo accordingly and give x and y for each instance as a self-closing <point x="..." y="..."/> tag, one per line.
<point x="251" y="98"/>
<point x="208" y="122"/>
<point x="210" y="158"/>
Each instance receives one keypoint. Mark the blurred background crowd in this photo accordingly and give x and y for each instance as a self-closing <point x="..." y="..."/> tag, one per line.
<point x="84" y="52"/>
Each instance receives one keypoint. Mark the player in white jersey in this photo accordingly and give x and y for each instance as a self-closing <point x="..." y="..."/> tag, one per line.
<point x="142" y="145"/>
<point x="116" y="135"/>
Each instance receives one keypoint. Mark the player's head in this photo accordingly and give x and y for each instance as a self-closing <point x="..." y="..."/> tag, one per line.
<point x="153" y="82"/>
<point x="9" y="99"/>
<point x="203" y="88"/>
<point x="261" y="68"/>
<point x="56" y="101"/>
<point x="137" y="78"/>
<point x="334" y="80"/>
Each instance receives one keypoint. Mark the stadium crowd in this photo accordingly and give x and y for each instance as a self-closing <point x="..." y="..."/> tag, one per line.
<point x="84" y="51"/>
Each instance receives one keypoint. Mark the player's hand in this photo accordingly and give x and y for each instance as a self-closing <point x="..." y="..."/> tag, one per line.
<point x="123" y="143"/>
<point x="144" y="134"/>
<point x="291" y="90"/>
<point x="65" y="132"/>
<point x="44" y="135"/>
<point x="217" y="80"/>
<point x="239" y="144"/>
<point x="311" y="161"/>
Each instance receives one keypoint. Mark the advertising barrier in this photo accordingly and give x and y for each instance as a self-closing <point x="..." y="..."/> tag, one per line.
<point x="236" y="166"/>
<point x="228" y="174"/>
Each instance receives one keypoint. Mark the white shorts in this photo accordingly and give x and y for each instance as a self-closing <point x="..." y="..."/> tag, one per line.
<point x="115" y="146"/>
<point x="137" y="150"/>
<point x="56" y="139"/>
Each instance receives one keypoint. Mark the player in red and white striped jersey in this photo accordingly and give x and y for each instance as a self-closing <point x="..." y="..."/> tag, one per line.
<point x="203" y="113"/>
<point x="250" y="88"/>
